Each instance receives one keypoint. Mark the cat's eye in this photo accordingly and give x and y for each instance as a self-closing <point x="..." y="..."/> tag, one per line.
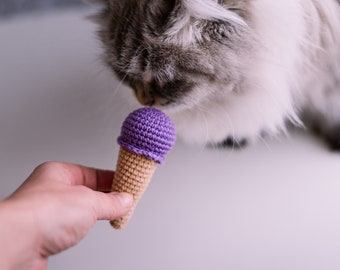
<point x="158" y="14"/>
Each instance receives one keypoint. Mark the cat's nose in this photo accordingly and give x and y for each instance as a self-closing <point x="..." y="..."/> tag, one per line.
<point x="144" y="94"/>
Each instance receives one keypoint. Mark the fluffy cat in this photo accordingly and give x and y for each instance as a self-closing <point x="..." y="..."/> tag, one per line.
<point x="229" y="71"/>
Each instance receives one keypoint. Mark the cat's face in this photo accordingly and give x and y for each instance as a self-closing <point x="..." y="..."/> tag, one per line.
<point x="173" y="53"/>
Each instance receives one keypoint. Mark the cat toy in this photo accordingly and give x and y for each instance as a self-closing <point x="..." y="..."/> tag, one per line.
<point x="147" y="135"/>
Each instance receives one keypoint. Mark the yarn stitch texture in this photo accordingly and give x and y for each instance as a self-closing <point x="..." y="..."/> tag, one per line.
<point x="148" y="132"/>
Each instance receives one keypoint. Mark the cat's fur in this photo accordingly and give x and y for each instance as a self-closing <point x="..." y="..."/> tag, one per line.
<point x="230" y="68"/>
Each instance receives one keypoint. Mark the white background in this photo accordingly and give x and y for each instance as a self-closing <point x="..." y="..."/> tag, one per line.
<point x="272" y="206"/>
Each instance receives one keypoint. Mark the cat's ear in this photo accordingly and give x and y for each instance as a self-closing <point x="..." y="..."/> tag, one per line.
<point x="223" y="32"/>
<point x="197" y="19"/>
<point x="211" y="10"/>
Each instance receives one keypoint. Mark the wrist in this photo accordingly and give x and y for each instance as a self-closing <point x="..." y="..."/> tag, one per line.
<point x="18" y="243"/>
<point x="7" y="247"/>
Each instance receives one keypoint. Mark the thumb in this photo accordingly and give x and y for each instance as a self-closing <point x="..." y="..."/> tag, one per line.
<point x="109" y="206"/>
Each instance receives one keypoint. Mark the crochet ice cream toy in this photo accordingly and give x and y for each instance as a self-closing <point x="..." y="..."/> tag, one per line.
<point x="147" y="135"/>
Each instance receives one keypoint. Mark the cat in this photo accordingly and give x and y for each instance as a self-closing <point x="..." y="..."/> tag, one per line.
<point x="229" y="71"/>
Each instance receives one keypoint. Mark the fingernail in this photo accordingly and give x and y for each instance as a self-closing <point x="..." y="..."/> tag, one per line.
<point x="126" y="199"/>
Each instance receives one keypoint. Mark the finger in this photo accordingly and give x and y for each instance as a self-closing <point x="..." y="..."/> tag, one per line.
<point x="73" y="174"/>
<point x="109" y="206"/>
<point x="100" y="180"/>
<point x="104" y="180"/>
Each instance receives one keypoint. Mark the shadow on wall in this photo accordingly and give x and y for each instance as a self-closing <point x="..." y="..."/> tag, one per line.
<point x="12" y="7"/>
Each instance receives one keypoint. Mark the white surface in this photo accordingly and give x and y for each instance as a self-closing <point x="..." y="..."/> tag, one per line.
<point x="272" y="206"/>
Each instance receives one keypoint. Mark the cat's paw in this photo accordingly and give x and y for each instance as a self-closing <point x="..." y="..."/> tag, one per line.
<point x="330" y="134"/>
<point x="232" y="143"/>
<point x="332" y="137"/>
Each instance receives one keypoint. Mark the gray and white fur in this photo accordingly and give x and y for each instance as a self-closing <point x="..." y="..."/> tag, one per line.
<point x="229" y="70"/>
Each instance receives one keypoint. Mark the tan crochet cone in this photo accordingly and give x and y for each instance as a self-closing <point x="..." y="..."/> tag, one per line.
<point x="133" y="175"/>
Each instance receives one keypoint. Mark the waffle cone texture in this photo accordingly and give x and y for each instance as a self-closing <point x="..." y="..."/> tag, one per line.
<point x="147" y="135"/>
<point x="133" y="175"/>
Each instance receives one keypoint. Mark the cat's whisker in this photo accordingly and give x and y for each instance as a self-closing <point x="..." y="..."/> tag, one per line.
<point x="219" y="119"/>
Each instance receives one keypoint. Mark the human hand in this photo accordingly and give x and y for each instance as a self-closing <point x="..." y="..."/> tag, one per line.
<point x="53" y="210"/>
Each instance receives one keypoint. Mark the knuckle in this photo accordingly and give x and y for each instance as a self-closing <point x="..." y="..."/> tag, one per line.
<point x="47" y="167"/>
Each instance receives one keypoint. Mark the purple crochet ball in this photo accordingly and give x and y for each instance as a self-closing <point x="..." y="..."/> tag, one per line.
<point x="148" y="132"/>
